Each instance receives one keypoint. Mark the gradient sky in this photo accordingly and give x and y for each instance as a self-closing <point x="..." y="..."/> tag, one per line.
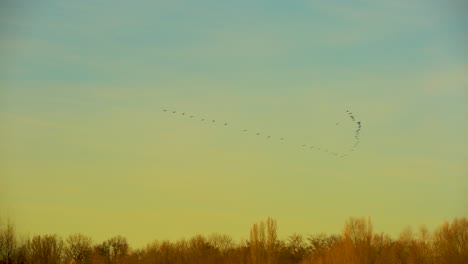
<point x="85" y="146"/>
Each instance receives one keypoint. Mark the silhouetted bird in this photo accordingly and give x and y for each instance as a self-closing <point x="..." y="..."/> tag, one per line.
<point x="258" y="134"/>
<point x="225" y="124"/>
<point x="269" y="137"/>
<point x="304" y="145"/>
<point x="173" y="112"/>
<point x="203" y="119"/>
<point x="245" y="130"/>
<point x="281" y="138"/>
<point x="183" y="113"/>
<point x="191" y="116"/>
<point x="337" y="123"/>
<point x="165" y="110"/>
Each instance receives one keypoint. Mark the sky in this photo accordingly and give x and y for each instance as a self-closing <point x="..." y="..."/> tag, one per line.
<point x="85" y="145"/>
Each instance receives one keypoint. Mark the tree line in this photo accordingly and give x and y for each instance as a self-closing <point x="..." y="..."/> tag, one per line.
<point x="356" y="244"/>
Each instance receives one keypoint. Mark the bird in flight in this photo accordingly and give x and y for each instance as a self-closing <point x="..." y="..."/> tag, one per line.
<point x="173" y="112"/>
<point x="225" y="124"/>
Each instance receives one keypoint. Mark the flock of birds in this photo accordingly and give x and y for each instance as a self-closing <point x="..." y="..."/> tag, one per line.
<point x="357" y="132"/>
<point x="311" y="147"/>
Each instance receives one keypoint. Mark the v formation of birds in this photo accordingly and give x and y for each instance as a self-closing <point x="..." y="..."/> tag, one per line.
<point x="311" y="147"/>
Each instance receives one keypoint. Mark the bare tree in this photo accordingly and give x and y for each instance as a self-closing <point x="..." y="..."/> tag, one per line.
<point x="78" y="249"/>
<point x="263" y="242"/>
<point x="257" y="243"/>
<point x="223" y="243"/>
<point x="451" y="242"/>
<point x="46" y="249"/>
<point x="358" y="231"/>
<point x="296" y="247"/>
<point x="272" y="240"/>
<point x="113" y="250"/>
<point x="321" y="243"/>
<point x="357" y="238"/>
<point x="201" y="251"/>
<point x="8" y="243"/>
